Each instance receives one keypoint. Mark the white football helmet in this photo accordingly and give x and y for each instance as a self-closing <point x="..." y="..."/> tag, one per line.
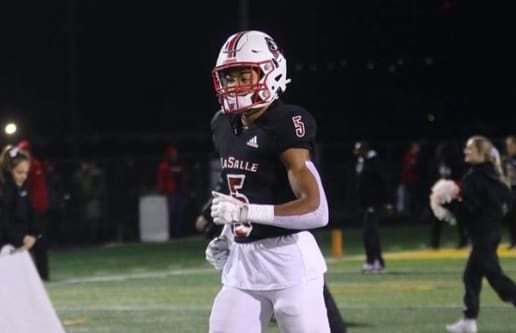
<point x="257" y="51"/>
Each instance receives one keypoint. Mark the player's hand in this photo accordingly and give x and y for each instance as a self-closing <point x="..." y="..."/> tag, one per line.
<point x="217" y="252"/>
<point x="201" y="223"/>
<point x="225" y="209"/>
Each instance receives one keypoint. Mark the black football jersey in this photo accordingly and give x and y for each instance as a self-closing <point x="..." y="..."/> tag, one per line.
<point x="250" y="158"/>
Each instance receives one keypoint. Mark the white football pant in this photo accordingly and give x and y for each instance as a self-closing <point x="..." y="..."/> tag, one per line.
<point x="298" y="309"/>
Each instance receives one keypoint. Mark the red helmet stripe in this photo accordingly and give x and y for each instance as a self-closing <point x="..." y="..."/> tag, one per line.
<point x="231" y="46"/>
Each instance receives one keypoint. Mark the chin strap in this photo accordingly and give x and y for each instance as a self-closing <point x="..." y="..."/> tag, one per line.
<point x="236" y="124"/>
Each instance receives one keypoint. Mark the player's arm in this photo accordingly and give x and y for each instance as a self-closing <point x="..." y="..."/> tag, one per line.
<point x="310" y="208"/>
<point x="308" y="211"/>
<point x="302" y="183"/>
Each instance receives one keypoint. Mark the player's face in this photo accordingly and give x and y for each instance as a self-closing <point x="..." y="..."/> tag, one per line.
<point x="471" y="153"/>
<point x="20" y="172"/>
<point x="239" y="81"/>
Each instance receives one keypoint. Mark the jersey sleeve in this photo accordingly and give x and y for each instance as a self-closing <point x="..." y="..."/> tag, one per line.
<point x="295" y="129"/>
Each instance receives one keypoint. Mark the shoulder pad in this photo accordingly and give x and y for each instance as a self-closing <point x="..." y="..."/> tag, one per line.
<point x="216" y="116"/>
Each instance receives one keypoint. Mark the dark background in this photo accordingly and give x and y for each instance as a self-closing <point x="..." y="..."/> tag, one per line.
<point x="107" y="78"/>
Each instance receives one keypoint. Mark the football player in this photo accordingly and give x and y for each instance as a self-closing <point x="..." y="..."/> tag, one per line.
<point x="217" y="256"/>
<point x="270" y="196"/>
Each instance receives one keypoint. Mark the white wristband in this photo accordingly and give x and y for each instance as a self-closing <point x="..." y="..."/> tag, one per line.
<point x="263" y="214"/>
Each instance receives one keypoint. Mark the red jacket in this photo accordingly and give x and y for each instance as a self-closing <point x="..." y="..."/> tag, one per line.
<point x="37" y="182"/>
<point x="166" y="181"/>
<point x="38" y="186"/>
<point x="172" y="178"/>
<point x="409" y="174"/>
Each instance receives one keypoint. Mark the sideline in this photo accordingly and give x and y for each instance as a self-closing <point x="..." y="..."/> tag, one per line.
<point x="443" y="253"/>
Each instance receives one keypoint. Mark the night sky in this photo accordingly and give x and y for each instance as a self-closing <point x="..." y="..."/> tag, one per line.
<point x="112" y="71"/>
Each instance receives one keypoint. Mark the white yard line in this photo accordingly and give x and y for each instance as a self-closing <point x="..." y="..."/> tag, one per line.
<point x="134" y="276"/>
<point x="207" y="307"/>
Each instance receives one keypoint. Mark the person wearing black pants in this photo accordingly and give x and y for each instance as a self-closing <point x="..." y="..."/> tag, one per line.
<point x="337" y="324"/>
<point x="447" y="165"/>
<point x="509" y="165"/>
<point x="437" y="231"/>
<point x="483" y="261"/>
<point x="370" y="186"/>
<point x="40" y="249"/>
<point x="485" y="198"/>
<point x="371" y="239"/>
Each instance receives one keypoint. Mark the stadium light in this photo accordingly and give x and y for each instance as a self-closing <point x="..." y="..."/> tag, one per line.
<point x="10" y="129"/>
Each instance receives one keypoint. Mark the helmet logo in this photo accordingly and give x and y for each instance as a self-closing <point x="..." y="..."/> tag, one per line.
<point x="273" y="47"/>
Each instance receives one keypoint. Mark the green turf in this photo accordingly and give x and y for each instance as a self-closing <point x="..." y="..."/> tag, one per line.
<point x="168" y="287"/>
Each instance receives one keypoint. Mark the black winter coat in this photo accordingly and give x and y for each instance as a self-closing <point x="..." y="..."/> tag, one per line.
<point x="370" y="181"/>
<point x="16" y="214"/>
<point x="485" y="201"/>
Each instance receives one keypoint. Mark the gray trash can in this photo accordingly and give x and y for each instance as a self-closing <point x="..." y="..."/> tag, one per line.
<point x="153" y="211"/>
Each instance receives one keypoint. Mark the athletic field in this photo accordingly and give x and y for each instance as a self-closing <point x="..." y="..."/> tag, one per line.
<point x="168" y="287"/>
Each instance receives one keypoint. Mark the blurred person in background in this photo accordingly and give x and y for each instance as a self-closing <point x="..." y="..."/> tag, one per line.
<point x="204" y="223"/>
<point x="58" y="204"/>
<point x="371" y="189"/>
<point x="446" y="166"/>
<point x="408" y="202"/>
<point x="173" y="181"/>
<point x="484" y="199"/>
<point x="17" y="228"/>
<point x="90" y="183"/>
<point x="509" y="165"/>
<point x="124" y="188"/>
<point x="38" y="193"/>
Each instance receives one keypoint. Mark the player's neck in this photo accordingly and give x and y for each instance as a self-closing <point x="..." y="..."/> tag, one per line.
<point x="249" y="117"/>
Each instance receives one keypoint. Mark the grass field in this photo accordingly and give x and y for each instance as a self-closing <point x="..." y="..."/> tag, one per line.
<point x="168" y="287"/>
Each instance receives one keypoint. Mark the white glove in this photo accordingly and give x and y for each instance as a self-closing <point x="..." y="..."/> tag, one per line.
<point x="225" y="209"/>
<point x="217" y="252"/>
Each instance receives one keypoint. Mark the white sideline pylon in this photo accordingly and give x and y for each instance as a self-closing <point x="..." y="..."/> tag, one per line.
<point x="24" y="303"/>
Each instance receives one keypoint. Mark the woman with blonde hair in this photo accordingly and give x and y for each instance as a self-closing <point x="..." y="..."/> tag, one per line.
<point x="481" y="204"/>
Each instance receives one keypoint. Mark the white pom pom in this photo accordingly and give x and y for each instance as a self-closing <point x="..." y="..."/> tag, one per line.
<point x="443" y="191"/>
<point x="7" y="249"/>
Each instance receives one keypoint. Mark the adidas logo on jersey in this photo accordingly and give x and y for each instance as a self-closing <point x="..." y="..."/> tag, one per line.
<point x="253" y="142"/>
